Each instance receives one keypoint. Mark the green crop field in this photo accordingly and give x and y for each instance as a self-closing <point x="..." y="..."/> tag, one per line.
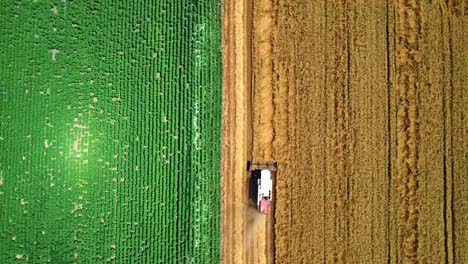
<point x="110" y="126"/>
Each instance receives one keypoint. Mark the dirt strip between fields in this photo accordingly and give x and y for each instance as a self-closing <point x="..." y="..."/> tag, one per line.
<point x="247" y="235"/>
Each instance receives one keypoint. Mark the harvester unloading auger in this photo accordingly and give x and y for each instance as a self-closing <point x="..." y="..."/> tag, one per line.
<point x="263" y="172"/>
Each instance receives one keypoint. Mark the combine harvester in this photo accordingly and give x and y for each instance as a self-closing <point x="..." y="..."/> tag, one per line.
<point x="263" y="173"/>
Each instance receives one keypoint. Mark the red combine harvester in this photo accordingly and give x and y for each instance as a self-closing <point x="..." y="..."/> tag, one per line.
<point x="263" y="173"/>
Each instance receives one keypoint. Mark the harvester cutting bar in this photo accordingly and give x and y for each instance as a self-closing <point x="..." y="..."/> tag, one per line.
<point x="272" y="166"/>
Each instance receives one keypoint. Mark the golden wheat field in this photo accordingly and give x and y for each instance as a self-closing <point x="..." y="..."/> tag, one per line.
<point x="363" y="104"/>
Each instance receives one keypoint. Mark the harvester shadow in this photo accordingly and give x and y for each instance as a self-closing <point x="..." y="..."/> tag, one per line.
<point x="253" y="188"/>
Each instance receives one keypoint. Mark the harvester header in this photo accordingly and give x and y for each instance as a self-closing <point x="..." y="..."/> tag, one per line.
<point x="272" y="166"/>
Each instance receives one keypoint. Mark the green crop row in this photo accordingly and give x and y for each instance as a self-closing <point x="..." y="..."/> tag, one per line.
<point x="110" y="116"/>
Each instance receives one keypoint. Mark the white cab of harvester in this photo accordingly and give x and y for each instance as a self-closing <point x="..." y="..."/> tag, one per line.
<point x="265" y="185"/>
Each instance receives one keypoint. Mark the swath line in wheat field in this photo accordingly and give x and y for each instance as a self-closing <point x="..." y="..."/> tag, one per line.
<point x="407" y="48"/>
